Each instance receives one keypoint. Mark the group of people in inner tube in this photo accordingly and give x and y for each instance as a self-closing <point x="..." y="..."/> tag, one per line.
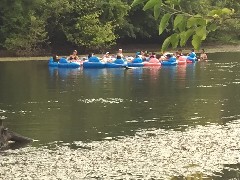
<point x="140" y="57"/>
<point x="192" y="55"/>
<point x="151" y="57"/>
<point x="72" y="57"/>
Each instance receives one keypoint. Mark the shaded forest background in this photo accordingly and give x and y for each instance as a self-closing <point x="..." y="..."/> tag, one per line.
<point x="42" y="27"/>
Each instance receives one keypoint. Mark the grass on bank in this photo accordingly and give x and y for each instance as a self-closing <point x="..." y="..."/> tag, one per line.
<point x="23" y="58"/>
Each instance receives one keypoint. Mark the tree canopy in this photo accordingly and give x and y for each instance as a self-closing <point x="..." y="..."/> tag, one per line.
<point x="32" y="27"/>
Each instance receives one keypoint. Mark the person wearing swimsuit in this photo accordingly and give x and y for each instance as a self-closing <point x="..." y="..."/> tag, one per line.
<point x="74" y="56"/>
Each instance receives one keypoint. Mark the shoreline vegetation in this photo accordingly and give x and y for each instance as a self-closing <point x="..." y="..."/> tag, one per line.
<point x="131" y="51"/>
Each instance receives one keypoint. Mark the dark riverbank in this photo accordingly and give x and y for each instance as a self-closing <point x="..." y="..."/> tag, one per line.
<point x="131" y="49"/>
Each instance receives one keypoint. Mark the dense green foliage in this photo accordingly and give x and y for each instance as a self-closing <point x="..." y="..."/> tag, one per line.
<point x="32" y="27"/>
<point x="40" y="24"/>
<point x="194" y="19"/>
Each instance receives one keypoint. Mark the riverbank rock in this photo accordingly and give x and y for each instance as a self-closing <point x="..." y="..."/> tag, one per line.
<point x="10" y="139"/>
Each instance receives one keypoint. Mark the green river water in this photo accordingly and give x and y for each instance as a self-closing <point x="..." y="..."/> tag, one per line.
<point x="143" y="123"/>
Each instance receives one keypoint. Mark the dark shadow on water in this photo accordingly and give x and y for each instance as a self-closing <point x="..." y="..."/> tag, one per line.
<point x="94" y="74"/>
<point x="135" y="72"/>
<point x="119" y="72"/>
<point x="63" y="73"/>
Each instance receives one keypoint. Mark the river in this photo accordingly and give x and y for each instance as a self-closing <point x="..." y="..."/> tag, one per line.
<point x="142" y="123"/>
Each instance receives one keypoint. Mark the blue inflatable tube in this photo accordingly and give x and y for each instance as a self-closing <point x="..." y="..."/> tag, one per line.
<point x="51" y="63"/>
<point x="69" y="65"/>
<point x="93" y="59"/>
<point x="137" y="60"/>
<point x="169" y="63"/>
<point x="193" y="59"/>
<point x="63" y="63"/>
<point x="115" y="65"/>
<point x="88" y="64"/>
<point x="135" y="64"/>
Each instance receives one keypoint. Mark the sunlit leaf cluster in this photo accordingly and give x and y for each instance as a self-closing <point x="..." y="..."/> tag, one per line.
<point x="185" y="25"/>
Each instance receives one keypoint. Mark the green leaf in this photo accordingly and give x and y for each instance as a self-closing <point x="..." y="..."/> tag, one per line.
<point x="150" y="4"/>
<point x="136" y="2"/>
<point x="215" y="12"/>
<point x="191" y="22"/>
<point x="197" y="16"/>
<point x="166" y="43"/>
<point x="33" y="18"/>
<point x="182" y="37"/>
<point x="212" y="27"/>
<point x="188" y="34"/>
<point x="164" y="22"/>
<point x="178" y="21"/>
<point x="212" y="12"/>
<point x="156" y="12"/>
<point x="226" y="11"/>
<point x="201" y="32"/>
<point x="201" y="21"/>
<point x="182" y="25"/>
<point x="174" y="40"/>
<point x="157" y="9"/>
<point x="196" y="42"/>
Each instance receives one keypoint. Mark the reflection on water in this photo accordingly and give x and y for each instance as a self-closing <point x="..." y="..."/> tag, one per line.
<point x="63" y="73"/>
<point x="117" y="123"/>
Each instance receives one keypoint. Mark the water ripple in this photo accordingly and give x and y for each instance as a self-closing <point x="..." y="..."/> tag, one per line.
<point x="102" y="100"/>
<point x="2" y="111"/>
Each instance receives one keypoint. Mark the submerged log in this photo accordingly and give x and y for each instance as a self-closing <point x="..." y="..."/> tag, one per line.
<point x="7" y="135"/>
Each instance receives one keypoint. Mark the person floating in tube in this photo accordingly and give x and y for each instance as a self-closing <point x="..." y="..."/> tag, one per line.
<point x="73" y="56"/>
